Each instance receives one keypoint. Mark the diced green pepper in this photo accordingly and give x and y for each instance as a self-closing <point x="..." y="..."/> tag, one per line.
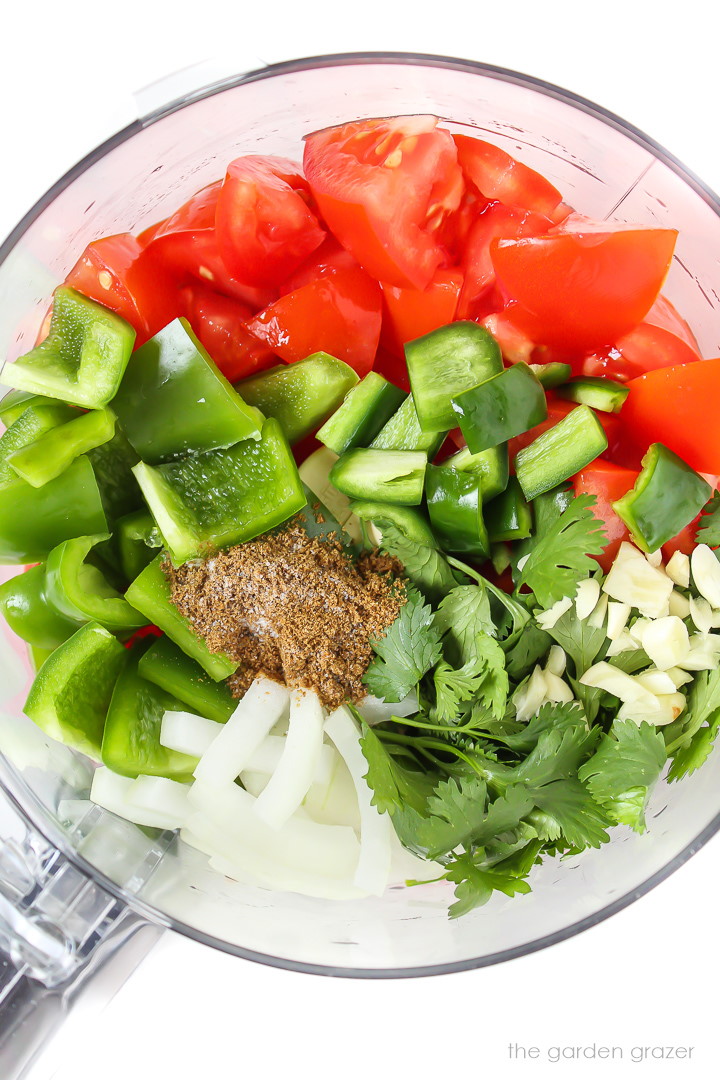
<point x="223" y="497"/>
<point x="78" y="590"/>
<point x="406" y="519"/>
<point x="301" y="396"/>
<point x="599" y="393"/>
<point x="151" y="594"/>
<point x="29" y="614"/>
<point x="559" y="453"/>
<point x="446" y="362"/>
<point x="403" y="432"/>
<point x="15" y="402"/>
<point x="71" y="693"/>
<point x="82" y="359"/>
<point x="35" y="520"/>
<point x="169" y="668"/>
<point x="395" y="476"/>
<point x="38" y="656"/>
<point x="173" y="400"/>
<point x="31" y="425"/>
<point x="492" y="465"/>
<point x="131" y="739"/>
<point x="113" y="463"/>
<point x="500" y="408"/>
<point x="552" y="374"/>
<point x="134" y="536"/>
<point x="362" y="414"/>
<point x="454" y="502"/>
<point x="51" y="453"/>
<point x="508" y="516"/>
<point x="667" y="495"/>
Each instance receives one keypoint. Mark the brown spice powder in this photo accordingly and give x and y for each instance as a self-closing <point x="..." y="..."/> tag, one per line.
<point x="294" y="608"/>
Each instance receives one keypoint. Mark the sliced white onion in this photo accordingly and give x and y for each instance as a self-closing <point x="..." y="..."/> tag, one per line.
<point x="334" y="802"/>
<point x="375" y="710"/>
<point x="666" y="641"/>
<point x="373" y="869"/>
<point x="678" y="569"/>
<point x="268" y="754"/>
<point x="706" y="573"/>
<point x="112" y="792"/>
<point x="262" y="706"/>
<point x="632" y="580"/>
<point x="586" y="597"/>
<point x="556" y="660"/>
<point x="188" y="733"/>
<point x="547" y="619"/>
<point x="295" y="772"/>
<point x="280" y="880"/>
<point x="159" y="794"/>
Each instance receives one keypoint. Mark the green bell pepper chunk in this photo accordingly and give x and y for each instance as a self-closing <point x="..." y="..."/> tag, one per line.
<point x="135" y="536"/>
<point x="508" y="516"/>
<point x="29" y="614"/>
<point x="31" y="425"/>
<point x="301" y="396"/>
<point x="362" y="414"/>
<point x="492" y="465"/>
<point x="403" y="432"/>
<point x="131" y="737"/>
<point x="667" y="495"/>
<point x="71" y="693"/>
<point x="454" y="501"/>
<point x="500" y="408"/>
<point x="559" y="453"/>
<point x="395" y="476"/>
<point x="167" y="666"/>
<point x="174" y="401"/>
<point x="223" y="497"/>
<point x="82" y="359"/>
<point x="78" y="590"/>
<point x="15" y="402"/>
<point x="51" y="453"/>
<point x="35" y="520"/>
<point x="151" y="594"/>
<point x="38" y="656"/>
<point x="113" y="463"/>
<point x="406" y="519"/>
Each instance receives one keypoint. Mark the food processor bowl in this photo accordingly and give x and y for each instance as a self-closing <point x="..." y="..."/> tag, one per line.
<point x="75" y="880"/>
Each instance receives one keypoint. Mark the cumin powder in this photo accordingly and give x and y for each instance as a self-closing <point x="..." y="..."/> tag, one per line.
<point x="296" y="609"/>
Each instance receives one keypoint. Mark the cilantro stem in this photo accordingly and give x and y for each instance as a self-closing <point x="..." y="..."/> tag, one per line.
<point x="421" y="743"/>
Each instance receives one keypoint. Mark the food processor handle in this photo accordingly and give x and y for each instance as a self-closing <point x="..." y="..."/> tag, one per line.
<point x="58" y="929"/>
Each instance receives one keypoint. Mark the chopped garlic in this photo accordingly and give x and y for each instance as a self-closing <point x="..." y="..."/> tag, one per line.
<point x="624" y="643"/>
<point x="656" y="681"/>
<point x="556" y="690"/>
<point x="632" y="580"/>
<point x="678" y="676"/>
<point x="521" y="562"/>
<point x="597" y="618"/>
<point x="665" y="640"/>
<point x="654" y="557"/>
<point x="617" y="618"/>
<point x="678" y="569"/>
<point x="706" y="574"/>
<point x="702" y="614"/>
<point x="704" y="653"/>
<point x="616" y="682"/>
<point x="556" y="660"/>
<point x="547" y="619"/>
<point x="587" y="596"/>
<point x="662" y="710"/>
<point x="679" y="605"/>
<point x="531" y="696"/>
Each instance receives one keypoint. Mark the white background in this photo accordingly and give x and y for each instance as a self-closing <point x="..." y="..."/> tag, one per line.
<point x="646" y="977"/>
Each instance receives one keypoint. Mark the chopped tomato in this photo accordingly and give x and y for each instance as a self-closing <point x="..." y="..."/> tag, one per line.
<point x="664" y="314"/>
<point x="494" y="222"/>
<point x="187" y="244"/>
<point x="119" y="273"/>
<point x="585" y="284"/>
<point x="645" y="348"/>
<point x="326" y="259"/>
<point x="221" y="325"/>
<point x="385" y="187"/>
<point x="685" y="540"/>
<point x="558" y="409"/>
<point x="498" y="175"/>
<point x="414" y="312"/>
<point x="338" y="313"/>
<point x="607" y="483"/>
<point x="265" y="228"/>
<point x="391" y="365"/>
<point x="677" y="406"/>
<point x="514" y="344"/>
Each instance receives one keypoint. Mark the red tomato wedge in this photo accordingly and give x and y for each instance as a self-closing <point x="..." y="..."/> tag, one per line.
<point x="384" y="188"/>
<point x="494" y="222"/>
<point x="498" y="175"/>
<point x="607" y="483"/>
<point x="664" y="314"/>
<point x="338" y="313"/>
<point x="558" y="409"/>
<point x="514" y="344"/>
<point x="677" y="406"/>
<point x="584" y="284"/>
<point x="326" y="259"/>
<point x="221" y="325"/>
<point x="414" y="312"/>
<point x="119" y="273"/>
<point x="265" y="227"/>
<point x="645" y="348"/>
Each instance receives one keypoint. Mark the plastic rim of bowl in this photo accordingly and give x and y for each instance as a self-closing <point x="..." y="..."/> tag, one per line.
<point x="27" y="802"/>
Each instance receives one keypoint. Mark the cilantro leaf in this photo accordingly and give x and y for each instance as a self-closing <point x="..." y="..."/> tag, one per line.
<point x="394" y="776"/>
<point x="583" y="644"/>
<point x="560" y="717"/>
<point x="532" y="647"/>
<point x="557" y="755"/>
<point x="409" y="649"/>
<point x="563" y="555"/>
<point x="463" y="615"/>
<point x="475" y="886"/>
<point x="623" y="771"/>
<point x="425" y="566"/>
<point x="709" y="530"/>
<point x="703" y="701"/>
<point x="453" y="686"/>
<point x="493" y="690"/>
<point x="567" y="809"/>
<point x="696" y="752"/>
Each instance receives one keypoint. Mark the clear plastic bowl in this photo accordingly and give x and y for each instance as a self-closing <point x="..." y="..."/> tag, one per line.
<point x="606" y="169"/>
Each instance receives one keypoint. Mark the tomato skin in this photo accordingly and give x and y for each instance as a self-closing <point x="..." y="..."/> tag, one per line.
<point x="584" y="284"/>
<point x="558" y="409"/>
<point x="326" y="259"/>
<point x="645" y="348"/>
<point x="494" y="222"/>
<point x="607" y="483"/>
<point x="414" y="312"/>
<point x="119" y="273"/>
<point x="221" y="325"/>
<point x="384" y="188"/>
<point x="498" y="175"/>
<point x="265" y="228"/>
<point x="665" y="315"/>
<point x="338" y="313"/>
<point x="514" y="344"/>
<point x="677" y="406"/>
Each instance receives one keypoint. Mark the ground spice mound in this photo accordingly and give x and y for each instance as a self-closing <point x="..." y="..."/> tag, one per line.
<point x="293" y="608"/>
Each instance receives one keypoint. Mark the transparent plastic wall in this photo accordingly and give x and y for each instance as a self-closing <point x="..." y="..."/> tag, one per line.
<point x="605" y="171"/>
